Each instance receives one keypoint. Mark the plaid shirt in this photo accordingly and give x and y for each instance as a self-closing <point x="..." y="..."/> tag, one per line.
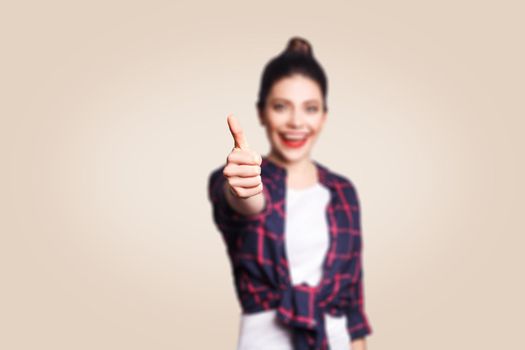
<point x="256" y="249"/>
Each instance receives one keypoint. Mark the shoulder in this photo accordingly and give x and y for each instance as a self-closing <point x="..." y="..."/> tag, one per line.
<point x="215" y="181"/>
<point x="334" y="177"/>
<point x="341" y="182"/>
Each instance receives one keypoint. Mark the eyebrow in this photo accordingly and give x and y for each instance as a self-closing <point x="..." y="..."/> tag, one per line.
<point x="286" y="100"/>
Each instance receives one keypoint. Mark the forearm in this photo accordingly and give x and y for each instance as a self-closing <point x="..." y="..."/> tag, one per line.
<point x="246" y="206"/>
<point x="358" y="344"/>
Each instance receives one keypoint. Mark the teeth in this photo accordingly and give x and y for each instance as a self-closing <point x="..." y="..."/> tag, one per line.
<point x="294" y="137"/>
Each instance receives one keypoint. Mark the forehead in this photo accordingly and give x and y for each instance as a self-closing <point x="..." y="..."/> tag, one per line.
<point x="296" y="88"/>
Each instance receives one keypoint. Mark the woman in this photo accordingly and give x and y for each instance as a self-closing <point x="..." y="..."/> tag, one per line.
<point x="291" y="226"/>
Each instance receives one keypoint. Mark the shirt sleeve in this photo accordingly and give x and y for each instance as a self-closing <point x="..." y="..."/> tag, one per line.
<point x="358" y="324"/>
<point x="228" y="220"/>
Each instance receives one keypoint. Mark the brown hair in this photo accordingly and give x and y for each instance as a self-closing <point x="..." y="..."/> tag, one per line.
<point x="299" y="45"/>
<point x="296" y="58"/>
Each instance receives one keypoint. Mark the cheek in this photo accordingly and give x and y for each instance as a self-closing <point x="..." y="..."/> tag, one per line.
<point x="271" y="131"/>
<point x="273" y="126"/>
<point x="316" y="126"/>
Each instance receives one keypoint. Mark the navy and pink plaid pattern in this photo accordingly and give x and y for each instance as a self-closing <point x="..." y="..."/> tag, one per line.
<point x="256" y="249"/>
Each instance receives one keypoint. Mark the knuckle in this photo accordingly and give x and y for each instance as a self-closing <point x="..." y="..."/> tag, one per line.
<point x="256" y="190"/>
<point x="254" y="156"/>
<point x="240" y="192"/>
<point x="227" y="171"/>
<point x="247" y="171"/>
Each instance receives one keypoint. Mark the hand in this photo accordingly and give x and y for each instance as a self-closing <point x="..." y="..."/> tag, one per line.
<point x="358" y="344"/>
<point x="243" y="165"/>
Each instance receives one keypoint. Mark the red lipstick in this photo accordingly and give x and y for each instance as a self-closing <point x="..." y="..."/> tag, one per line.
<point x="293" y="143"/>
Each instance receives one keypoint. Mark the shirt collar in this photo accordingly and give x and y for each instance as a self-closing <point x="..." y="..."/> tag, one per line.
<point x="279" y="172"/>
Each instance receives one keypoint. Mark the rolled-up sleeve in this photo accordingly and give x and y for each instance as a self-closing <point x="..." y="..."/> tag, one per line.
<point x="358" y="324"/>
<point x="227" y="219"/>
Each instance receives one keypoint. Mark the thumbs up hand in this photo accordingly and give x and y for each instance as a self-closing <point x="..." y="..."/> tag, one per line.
<point x="243" y="165"/>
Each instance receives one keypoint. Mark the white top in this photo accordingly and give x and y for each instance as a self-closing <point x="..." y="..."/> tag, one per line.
<point x="306" y="242"/>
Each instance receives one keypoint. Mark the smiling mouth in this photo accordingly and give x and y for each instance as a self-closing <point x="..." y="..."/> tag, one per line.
<point x="294" y="141"/>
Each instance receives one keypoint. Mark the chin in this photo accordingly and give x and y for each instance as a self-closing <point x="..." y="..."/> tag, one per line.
<point x="291" y="156"/>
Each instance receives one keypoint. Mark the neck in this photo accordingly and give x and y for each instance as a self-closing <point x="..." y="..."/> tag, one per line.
<point x="300" y="173"/>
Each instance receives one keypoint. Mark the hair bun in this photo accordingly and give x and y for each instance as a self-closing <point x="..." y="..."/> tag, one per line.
<point x="298" y="45"/>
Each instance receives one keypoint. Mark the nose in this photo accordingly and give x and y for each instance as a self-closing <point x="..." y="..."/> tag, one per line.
<point x="296" y="120"/>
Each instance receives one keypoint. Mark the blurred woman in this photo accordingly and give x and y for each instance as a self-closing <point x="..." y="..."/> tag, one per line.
<point x="291" y="225"/>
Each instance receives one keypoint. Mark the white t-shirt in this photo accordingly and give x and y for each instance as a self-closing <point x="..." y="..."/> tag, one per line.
<point x="306" y="242"/>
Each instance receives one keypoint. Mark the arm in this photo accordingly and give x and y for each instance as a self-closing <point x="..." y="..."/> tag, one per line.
<point x="358" y="344"/>
<point x="357" y="321"/>
<point x="246" y="206"/>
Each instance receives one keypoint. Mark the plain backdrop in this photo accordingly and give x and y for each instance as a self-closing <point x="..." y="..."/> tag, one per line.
<point x="113" y="114"/>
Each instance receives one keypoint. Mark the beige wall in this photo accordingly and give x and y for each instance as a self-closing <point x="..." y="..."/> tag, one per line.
<point x="114" y="113"/>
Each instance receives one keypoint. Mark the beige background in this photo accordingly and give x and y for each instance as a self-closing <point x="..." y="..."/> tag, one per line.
<point x="113" y="114"/>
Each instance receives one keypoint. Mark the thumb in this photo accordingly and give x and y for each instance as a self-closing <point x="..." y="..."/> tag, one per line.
<point x="237" y="132"/>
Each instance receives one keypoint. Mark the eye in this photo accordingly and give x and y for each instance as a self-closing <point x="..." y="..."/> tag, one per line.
<point x="312" y="109"/>
<point x="278" y="106"/>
